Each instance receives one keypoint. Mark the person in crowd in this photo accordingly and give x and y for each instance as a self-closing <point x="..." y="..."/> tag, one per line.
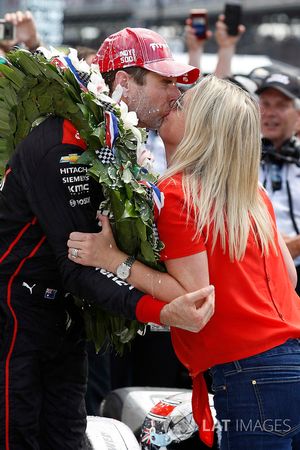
<point x="297" y="133"/>
<point x="226" y="47"/>
<point x="42" y="346"/>
<point x="279" y="99"/>
<point x="194" y="46"/>
<point x="213" y="200"/>
<point x="26" y="33"/>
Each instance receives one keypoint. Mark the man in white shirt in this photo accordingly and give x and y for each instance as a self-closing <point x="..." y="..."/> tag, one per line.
<point x="279" y="99"/>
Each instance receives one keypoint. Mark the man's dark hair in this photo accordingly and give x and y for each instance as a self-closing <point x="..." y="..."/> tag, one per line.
<point x="137" y="73"/>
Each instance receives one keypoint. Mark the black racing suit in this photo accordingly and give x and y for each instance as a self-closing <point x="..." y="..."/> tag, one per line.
<point x="44" y="197"/>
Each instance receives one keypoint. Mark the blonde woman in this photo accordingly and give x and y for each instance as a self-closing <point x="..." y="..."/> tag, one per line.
<point x="218" y="227"/>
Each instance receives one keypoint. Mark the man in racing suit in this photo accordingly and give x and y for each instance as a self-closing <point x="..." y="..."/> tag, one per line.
<point x="44" y="196"/>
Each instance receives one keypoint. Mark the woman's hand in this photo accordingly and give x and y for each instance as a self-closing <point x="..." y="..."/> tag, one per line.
<point x="95" y="249"/>
<point x="190" y="311"/>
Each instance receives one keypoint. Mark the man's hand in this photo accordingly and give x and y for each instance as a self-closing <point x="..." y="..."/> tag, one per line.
<point x="26" y="32"/>
<point x="223" y="39"/>
<point x="191" y="311"/>
<point x="194" y="45"/>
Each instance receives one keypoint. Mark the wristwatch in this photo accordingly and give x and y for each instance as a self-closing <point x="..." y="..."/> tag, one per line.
<point x="123" y="270"/>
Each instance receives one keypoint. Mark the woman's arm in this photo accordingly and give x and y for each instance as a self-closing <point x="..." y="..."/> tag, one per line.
<point x="99" y="250"/>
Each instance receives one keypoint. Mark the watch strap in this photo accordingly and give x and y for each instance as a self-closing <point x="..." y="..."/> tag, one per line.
<point x="129" y="261"/>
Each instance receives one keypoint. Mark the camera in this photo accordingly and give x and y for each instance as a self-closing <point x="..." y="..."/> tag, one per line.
<point x="7" y="31"/>
<point x="288" y="153"/>
<point x="199" y="22"/>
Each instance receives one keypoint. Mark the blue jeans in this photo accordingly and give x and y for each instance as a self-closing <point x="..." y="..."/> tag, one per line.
<point x="257" y="400"/>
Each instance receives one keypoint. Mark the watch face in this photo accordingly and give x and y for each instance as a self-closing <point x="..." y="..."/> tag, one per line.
<point x="123" y="271"/>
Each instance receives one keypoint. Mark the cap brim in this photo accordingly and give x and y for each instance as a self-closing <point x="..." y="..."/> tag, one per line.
<point x="184" y="73"/>
<point x="278" y="88"/>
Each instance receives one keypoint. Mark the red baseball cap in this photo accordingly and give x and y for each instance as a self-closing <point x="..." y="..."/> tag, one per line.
<point x="141" y="47"/>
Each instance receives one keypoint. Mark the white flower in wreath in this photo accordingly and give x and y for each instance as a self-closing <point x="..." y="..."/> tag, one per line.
<point x="50" y="52"/>
<point x="53" y="53"/>
<point x="96" y="84"/>
<point x="145" y="158"/>
<point x="130" y="122"/>
<point x="80" y="65"/>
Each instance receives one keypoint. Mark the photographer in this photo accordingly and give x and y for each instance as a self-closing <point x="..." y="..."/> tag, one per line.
<point x="280" y="168"/>
<point x="25" y="32"/>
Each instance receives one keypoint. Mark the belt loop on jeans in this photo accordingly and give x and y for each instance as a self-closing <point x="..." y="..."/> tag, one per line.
<point x="237" y="366"/>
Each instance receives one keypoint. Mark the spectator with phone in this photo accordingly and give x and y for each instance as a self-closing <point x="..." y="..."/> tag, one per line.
<point x="195" y="43"/>
<point x="6" y="30"/>
<point x="23" y="31"/>
<point x="226" y="43"/>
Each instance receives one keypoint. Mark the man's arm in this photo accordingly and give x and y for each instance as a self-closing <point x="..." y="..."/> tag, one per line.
<point x="293" y="244"/>
<point x="288" y="259"/>
<point x="64" y="198"/>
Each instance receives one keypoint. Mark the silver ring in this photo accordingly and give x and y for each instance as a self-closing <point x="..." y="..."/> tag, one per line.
<point x="74" y="252"/>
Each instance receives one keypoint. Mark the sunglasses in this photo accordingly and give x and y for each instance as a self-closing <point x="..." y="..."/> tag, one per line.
<point x="178" y="103"/>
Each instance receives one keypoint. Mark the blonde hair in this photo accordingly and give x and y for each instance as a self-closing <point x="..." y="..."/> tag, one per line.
<point x="219" y="157"/>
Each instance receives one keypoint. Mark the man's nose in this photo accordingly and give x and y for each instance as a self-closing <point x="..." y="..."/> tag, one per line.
<point x="266" y="111"/>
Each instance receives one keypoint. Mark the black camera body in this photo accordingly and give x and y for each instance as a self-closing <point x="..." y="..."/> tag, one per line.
<point x="288" y="153"/>
<point x="233" y="17"/>
<point x="7" y="30"/>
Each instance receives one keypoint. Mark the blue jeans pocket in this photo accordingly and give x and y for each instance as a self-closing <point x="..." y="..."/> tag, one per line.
<point x="278" y="399"/>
